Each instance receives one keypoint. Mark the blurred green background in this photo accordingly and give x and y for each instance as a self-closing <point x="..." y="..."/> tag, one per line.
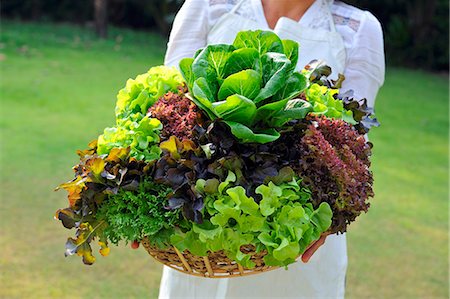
<point x="57" y="89"/>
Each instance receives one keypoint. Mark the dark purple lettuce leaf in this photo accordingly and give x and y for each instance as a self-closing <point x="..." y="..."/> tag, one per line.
<point x="362" y="113"/>
<point x="180" y="166"/>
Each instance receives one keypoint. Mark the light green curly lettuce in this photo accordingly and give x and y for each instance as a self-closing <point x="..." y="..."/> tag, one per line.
<point x="324" y="103"/>
<point x="283" y="223"/>
<point x="133" y="128"/>
<point x="141" y="93"/>
<point x="141" y="135"/>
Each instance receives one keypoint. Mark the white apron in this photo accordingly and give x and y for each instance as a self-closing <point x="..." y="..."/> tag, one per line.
<point x="324" y="275"/>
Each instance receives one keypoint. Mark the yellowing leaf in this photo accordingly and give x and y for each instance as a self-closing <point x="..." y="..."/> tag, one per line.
<point x="188" y="145"/>
<point x="104" y="250"/>
<point x="90" y="151"/>
<point x="74" y="188"/>
<point x="171" y="146"/>
<point x="86" y="252"/>
<point x="93" y="144"/>
<point x="97" y="166"/>
<point x="118" y="154"/>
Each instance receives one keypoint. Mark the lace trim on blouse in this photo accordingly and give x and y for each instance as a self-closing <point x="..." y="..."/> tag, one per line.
<point x="346" y="21"/>
<point x="222" y="2"/>
<point x="320" y="19"/>
<point x="246" y="11"/>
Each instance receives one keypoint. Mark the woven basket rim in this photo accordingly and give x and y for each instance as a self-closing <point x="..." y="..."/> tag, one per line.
<point x="214" y="265"/>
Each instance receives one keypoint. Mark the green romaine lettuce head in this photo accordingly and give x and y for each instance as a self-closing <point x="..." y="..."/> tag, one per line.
<point x="251" y="85"/>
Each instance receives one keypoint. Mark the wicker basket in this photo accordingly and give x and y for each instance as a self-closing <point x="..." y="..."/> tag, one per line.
<point x="215" y="265"/>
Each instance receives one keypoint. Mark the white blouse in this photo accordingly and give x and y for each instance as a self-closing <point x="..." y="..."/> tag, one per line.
<point x="360" y="30"/>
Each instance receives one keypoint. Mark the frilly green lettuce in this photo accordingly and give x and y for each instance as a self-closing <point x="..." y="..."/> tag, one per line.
<point x="133" y="128"/>
<point x="283" y="223"/>
<point x="142" y="136"/>
<point x="324" y="103"/>
<point x="143" y="91"/>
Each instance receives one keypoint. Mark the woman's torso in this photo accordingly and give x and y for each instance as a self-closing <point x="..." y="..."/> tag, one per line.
<point x="324" y="275"/>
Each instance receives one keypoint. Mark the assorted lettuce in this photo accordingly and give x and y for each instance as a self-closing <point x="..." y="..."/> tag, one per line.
<point x="251" y="85"/>
<point x="237" y="153"/>
<point x="116" y="160"/>
<point x="96" y="179"/>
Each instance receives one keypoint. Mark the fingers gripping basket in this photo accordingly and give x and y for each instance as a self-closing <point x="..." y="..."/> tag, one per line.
<point x="214" y="265"/>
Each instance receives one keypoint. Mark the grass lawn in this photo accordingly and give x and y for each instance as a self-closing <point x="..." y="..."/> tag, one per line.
<point x="58" y="87"/>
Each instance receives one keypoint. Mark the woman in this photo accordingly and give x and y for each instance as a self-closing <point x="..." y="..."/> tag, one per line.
<point x="351" y="42"/>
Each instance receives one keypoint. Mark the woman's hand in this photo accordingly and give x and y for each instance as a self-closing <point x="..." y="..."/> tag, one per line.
<point x="313" y="248"/>
<point x="135" y="244"/>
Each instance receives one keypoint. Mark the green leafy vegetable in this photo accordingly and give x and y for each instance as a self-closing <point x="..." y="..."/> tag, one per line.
<point x="290" y="49"/>
<point x="291" y="87"/>
<point x="141" y="135"/>
<point x="294" y="109"/>
<point x="275" y="71"/>
<point x="133" y="128"/>
<point x="282" y="223"/>
<point x="233" y="82"/>
<point x="245" y="134"/>
<point x="241" y="59"/>
<point x="210" y="62"/>
<point x="143" y="91"/>
<point x="324" y="102"/>
<point x="133" y="215"/>
<point x="262" y="41"/>
<point x="245" y="83"/>
<point x="236" y="108"/>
